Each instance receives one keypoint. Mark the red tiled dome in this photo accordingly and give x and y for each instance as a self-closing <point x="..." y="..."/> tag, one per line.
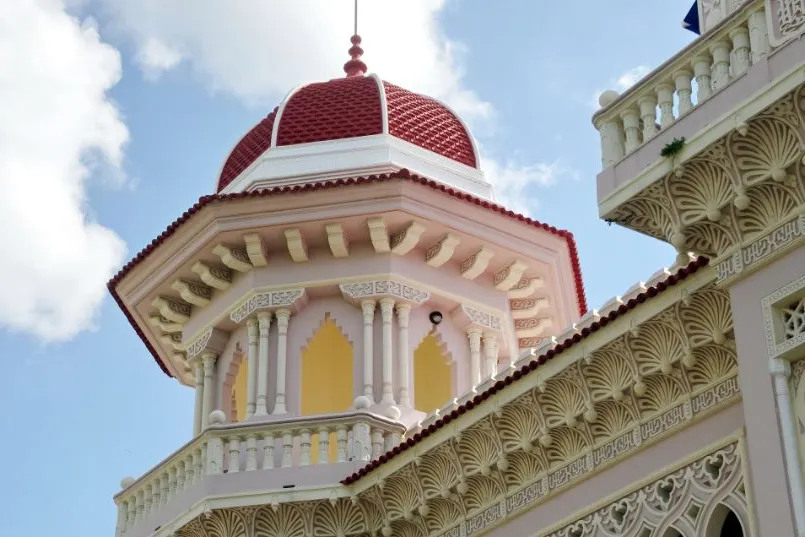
<point x="353" y="107"/>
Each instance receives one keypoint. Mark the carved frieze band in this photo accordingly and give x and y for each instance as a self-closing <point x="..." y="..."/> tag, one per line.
<point x="378" y="288"/>
<point x="782" y="237"/>
<point x="648" y="431"/>
<point x="211" y="339"/>
<point x="267" y="300"/>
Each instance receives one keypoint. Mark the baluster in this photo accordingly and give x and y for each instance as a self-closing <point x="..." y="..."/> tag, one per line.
<point x="156" y="494"/>
<point x="665" y="98"/>
<point x="721" y="64"/>
<point x="131" y="512"/>
<point x="648" y="115"/>
<point x="377" y="443"/>
<point x="392" y="440"/>
<point x="234" y="455"/>
<point x="631" y="126"/>
<point x="758" y="35"/>
<point x="197" y="465"/>
<point x="684" y="90"/>
<point x="740" y="50"/>
<point x="701" y="69"/>
<point x="215" y="456"/>
<point x="268" y="451"/>
<point x="287" y="450"/>
<point x="171" y="482"/>
<point x="188" y="470"/>
<point x="147" y="500"/>
<point x="140" y="503"/>
<point x="304" y="447"/>
<point x="341" y="440"/>
<point x="611" y="142"/>
<point x="122" y="513"/>
<point x="163" y="484"/>
<point x="324" y="445"/>
<point x="251" y="453"/>
<point x="361" y="442"/>
<point x="179" y="477"/>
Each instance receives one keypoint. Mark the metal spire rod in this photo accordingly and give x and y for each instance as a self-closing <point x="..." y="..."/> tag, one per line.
<point x="356" y="18"/>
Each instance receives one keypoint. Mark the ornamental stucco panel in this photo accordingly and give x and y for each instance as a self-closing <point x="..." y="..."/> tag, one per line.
<point x="786" y="19"/>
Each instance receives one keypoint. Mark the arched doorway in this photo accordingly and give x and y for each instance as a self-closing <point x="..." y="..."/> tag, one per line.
<point x="433" y="375"/>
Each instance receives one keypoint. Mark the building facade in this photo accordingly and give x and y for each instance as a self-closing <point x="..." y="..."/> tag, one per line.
<point x="378" y="348"/>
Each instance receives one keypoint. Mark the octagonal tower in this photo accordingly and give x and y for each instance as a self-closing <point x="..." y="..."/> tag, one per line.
<point x="350" y="277"/>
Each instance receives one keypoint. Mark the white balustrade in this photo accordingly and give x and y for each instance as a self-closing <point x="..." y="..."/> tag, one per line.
<point x="247" y="447"/>
<point x="657" y="101"/>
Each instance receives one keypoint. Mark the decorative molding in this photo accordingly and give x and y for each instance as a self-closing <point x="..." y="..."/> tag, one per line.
<point x="441" y="252"/>
<point x="474" y="317"/>
<point x="337" y="239"/>
<point x="256" y="249"/>
<point x="382" y="288"/>
<point x="506" y="278"/>
<point x="172" y="309"/>
<point x="750" y="256"/>
<point x="532" y="327"/>
<point x="164" y="324"/>
<point x="476" y="264"/>
<point x="234" y="258"/>
<point x="196" y="293"/>
<point x="526" y="287"/>
<point x="173" y="341"/>
<point x="379" y="234"/>
<point x="528" y="307"/>
<point x="212" y="339"/>
<point x="265" y="301"/>
<point x="786" y="20"/>
<point x="779" y="342"/>
<point x="297" y="248"/>
<point x="217" y="277"/>
<point x="685" y="499"/>
<point x="405" y="240"/>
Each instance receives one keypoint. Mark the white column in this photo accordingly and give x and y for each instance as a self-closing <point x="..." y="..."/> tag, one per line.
<point x="368" y="307"/>
<point x="209" y="369"/>
<point x="264" y="324"/>
<point x="474" y="335"/>
<point x="387" y="311"/>
<point x="403" y="358"/>
<point x="283" y="315"/>
<point x="781" y="371"/>
<point x="251" y="381"/>
<point x="490" y="355"/>
<point x="198" y="369"/>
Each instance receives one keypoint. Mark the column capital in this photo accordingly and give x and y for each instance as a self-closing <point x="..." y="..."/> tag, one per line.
<point x="403" y="308"/>
<point x="779" y="368"/>
<point x="251" y="322"/>
<point x="209" y="358"/>
<point x="473" y="330"/>
<point x="264" y="320"/>
<point x="386" y="305"/>
<point x="282" y="314"/>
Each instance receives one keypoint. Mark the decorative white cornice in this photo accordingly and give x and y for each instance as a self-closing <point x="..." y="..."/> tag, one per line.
<point x="164" y="324"/>
<point x="478" y="318"/>
<point x="384" y="288"/>
<point x="266" y="301"/>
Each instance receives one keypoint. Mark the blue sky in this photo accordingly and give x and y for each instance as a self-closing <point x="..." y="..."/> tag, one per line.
<point x="97" y="167"/>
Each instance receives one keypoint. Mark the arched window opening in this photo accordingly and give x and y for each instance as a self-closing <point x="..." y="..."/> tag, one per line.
<point x="433" y="375"/>
<point x="238" y="405"/>
<point x="724" y="523"/>
<point x="731" y="527"/>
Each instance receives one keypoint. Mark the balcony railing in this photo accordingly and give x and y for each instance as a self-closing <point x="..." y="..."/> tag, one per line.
<point x="695" y="74"/>
<point x="251" y="447"/>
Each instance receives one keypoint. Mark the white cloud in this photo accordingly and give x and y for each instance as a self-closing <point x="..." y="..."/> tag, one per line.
<point x="622" y="82"/>
<point x="258" y="50"/>
<point x="513" y="181"/>
<point x="56" y="122"/>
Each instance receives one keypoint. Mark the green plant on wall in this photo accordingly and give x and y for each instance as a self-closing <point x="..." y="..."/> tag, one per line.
<point x="673" y="147"/>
